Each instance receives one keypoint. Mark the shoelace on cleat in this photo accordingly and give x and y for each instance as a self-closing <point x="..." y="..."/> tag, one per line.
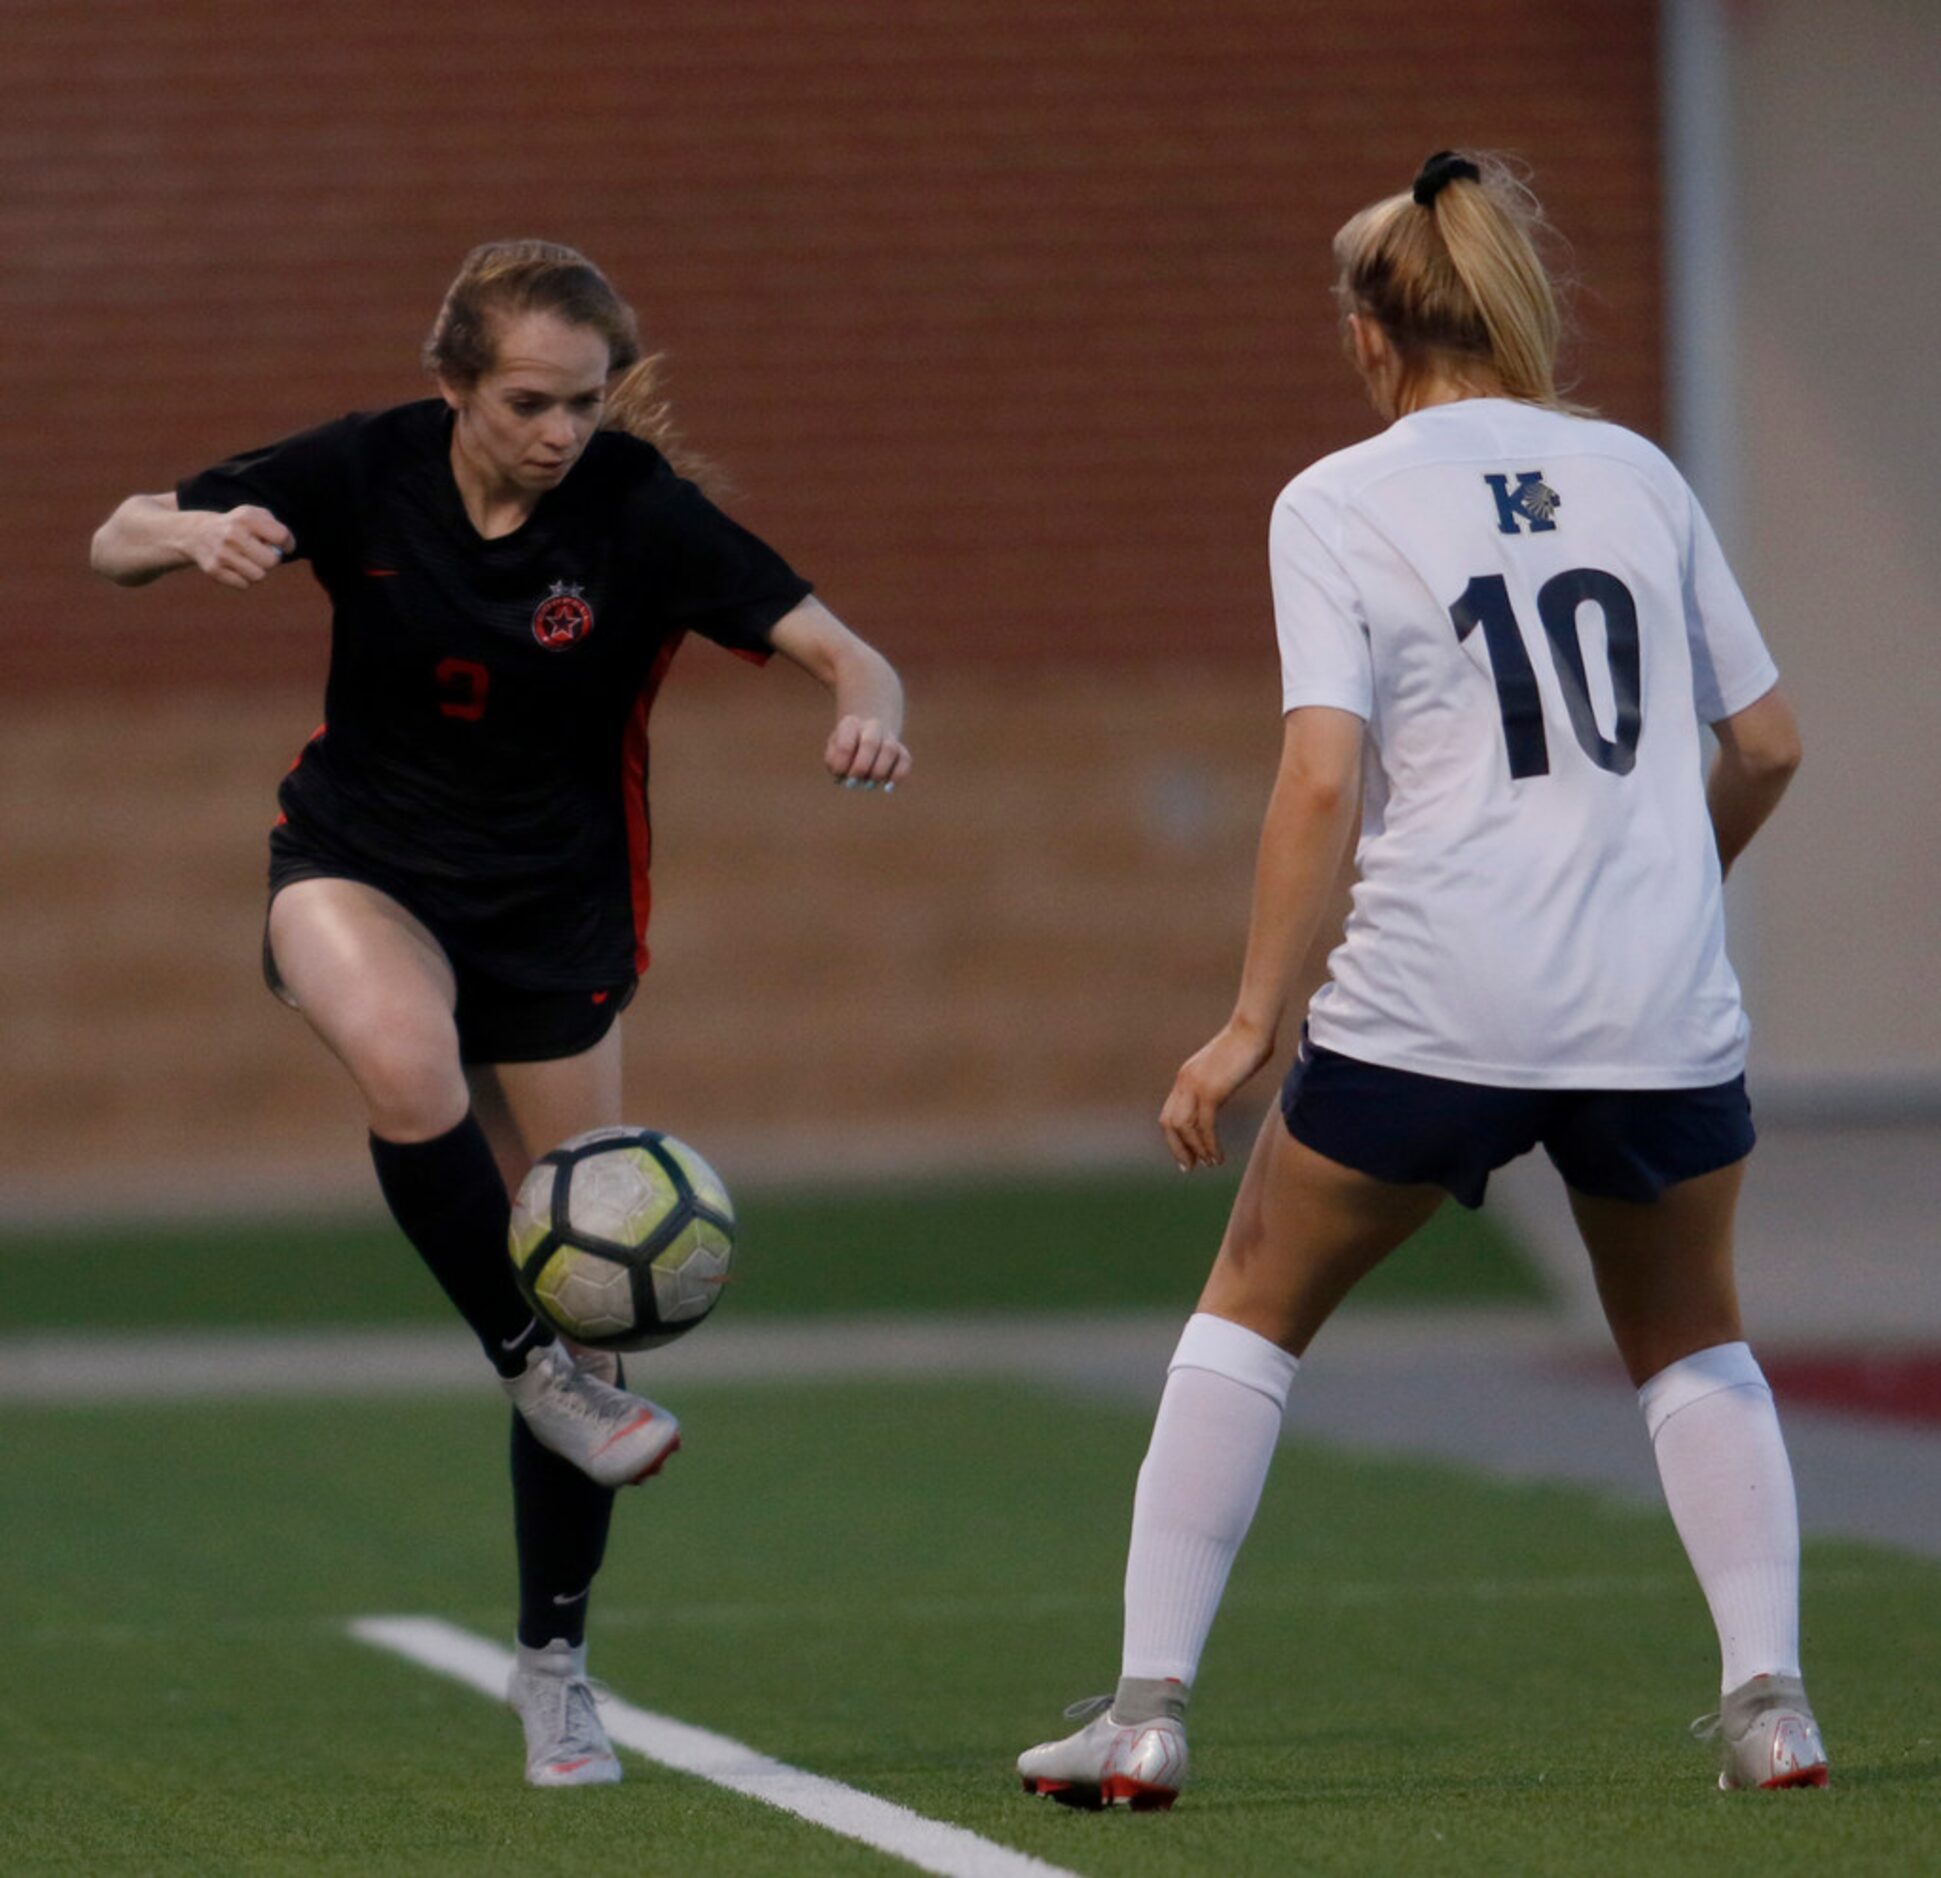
<point x="587" y="1398"/>
<point x="572" y="1716"/>
<point x="1088" y="1706"/>
<point x="1706" y="1727"/>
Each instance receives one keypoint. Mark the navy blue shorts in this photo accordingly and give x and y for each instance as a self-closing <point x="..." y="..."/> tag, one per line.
<point x="1615" y="1144"/>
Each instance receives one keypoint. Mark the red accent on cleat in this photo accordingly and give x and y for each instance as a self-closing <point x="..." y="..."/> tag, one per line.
<point x="1121" y="1790"/>
<point x="659" y="1461"/>
<point x="1066" y="1792"/>
<point x="620" y="1434"/>
<point x="1802" y="1777"/>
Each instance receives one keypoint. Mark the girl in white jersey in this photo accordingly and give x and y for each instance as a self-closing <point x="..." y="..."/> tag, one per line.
<point x="1501" y="624"/>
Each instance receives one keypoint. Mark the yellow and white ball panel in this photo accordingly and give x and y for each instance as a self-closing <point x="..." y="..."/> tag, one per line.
<point x="586" y="1295"/>
<point x="532" y="1213"/>
<point x="620" y="1196"/>
<point x="689" y="1273"/>
<point x="705" y="1184"/>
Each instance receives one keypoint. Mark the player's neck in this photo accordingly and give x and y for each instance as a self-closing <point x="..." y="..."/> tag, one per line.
<point x="1436" y="389"/>
<point x="494" y="506"/>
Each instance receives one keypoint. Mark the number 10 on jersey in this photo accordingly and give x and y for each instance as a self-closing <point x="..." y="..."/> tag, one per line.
<point x="1486" y="603"/>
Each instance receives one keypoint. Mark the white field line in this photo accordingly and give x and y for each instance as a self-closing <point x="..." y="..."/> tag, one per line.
<point x="928" y="1844"/>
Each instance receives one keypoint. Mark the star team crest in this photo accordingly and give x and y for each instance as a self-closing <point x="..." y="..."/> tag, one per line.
<point x="563" y="617"/>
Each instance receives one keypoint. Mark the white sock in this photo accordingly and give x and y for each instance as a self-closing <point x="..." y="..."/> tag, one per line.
<point x="1730" y="1489"/>
<point x="1211" y="1447"/>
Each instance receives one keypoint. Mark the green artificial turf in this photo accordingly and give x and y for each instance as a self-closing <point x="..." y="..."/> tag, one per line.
<point x="1417" y="1670"/>
<point x="1031" y="1246"/>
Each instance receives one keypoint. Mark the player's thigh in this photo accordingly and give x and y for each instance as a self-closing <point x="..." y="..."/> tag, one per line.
<point x="376" y="986"/>
<point x="527" y="1108"/>
<point x="1664" y="1268"/>
<point x="1303" y="1232"/>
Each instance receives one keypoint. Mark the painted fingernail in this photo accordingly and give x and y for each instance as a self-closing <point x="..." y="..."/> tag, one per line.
<point x="889" y="789"/>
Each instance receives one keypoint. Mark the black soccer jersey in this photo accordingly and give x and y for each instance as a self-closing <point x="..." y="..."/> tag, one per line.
<point x="484" y="750"/>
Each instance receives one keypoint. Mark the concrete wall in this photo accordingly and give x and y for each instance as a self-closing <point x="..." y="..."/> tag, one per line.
<point x="1840" y="382"/>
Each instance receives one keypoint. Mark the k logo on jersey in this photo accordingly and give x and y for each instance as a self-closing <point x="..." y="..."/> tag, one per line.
<point x="563" y="618"/>
<point x="1532" y="500"/>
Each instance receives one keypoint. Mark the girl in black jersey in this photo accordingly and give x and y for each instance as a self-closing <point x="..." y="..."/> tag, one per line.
<point x="458" y="874"/>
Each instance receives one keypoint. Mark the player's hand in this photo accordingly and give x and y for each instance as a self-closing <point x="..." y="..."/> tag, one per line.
<point x="1201" y="1089"/>
<point x="864" y="753"/>
<point x="238" y="547"/>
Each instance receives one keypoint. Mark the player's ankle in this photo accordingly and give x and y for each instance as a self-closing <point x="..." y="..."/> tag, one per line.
<point x="509" y="1357"/>
<point x="1151" y="1698"/>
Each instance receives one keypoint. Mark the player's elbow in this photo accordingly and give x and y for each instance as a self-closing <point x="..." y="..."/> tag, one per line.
<point x="1779" y="760"/>
<point x="1775" y="752"/>
<point x="1763" y="741"/>
<point x="112" y="552"/>
<point x="102" y="558"/>
<point x="1317" y="794"/>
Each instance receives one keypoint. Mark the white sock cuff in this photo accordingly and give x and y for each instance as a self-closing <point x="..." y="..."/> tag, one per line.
<point x="1692" y="1378"/>
<point x="1225" y="1348"/>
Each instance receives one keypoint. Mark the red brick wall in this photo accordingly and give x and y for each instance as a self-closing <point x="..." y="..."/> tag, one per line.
<point x="1008" y="317"/>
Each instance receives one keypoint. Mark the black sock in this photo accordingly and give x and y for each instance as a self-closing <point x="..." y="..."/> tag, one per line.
<point x="449" y="1201"/>
<point x="559" y="1520"/>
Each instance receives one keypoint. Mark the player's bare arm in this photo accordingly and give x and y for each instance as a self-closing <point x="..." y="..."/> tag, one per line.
<point x="866" y="747"/>
<point x="1759" y="749"/>
<point x="149" y="536"/>
<point x="1302" y="840"/>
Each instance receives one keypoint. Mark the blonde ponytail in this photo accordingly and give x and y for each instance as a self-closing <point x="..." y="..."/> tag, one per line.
<point x="1451" y="273"/>
<point x="636" y="405"/>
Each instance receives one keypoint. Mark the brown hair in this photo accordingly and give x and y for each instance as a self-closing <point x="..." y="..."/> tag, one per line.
<point x="1451" y="273"/>
<point x="504" y="279"/>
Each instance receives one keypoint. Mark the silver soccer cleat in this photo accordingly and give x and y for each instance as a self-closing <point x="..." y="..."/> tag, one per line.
<point x="1767" y="1736"/>
<point x="565" y="1744"/>
<point x="609" y="1434"/>
<point x="1109" y="1763"/>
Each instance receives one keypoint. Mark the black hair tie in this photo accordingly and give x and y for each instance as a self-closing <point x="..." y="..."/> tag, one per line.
<point x="1442" y="169"/>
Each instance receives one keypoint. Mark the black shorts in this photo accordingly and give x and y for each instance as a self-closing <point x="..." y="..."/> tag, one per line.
<point x="497" y="1022"/>
<point x="1615" y="1144"/>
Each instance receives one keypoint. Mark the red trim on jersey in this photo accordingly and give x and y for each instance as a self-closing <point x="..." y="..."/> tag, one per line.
<point x="316" y="736"/>
<point x="633" y="796"/>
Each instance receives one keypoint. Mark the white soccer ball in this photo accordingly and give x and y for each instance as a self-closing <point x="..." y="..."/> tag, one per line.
<point x="622" y="1238"/>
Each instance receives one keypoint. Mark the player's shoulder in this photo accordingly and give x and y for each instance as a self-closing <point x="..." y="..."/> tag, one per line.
<point x="419" y="427"/>
<point x="619" y="462"/>
<point x="1600" y="437"/>
<point x="1470" y="431"/>
<point x="1321" y="498"/>
<point x="360" y="438"/>
<point x="1333" y="484"/>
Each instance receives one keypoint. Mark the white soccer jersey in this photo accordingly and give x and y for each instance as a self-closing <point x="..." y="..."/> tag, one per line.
<point x="1533" y="615"/>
